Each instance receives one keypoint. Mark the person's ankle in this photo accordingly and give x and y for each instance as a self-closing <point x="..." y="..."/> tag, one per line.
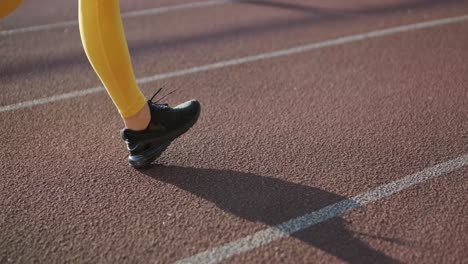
<point x="140" y="120"/>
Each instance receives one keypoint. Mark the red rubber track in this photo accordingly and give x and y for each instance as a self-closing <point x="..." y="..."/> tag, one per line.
<point x="277" y="138"/>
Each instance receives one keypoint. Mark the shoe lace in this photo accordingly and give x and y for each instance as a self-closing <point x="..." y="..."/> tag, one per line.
<point x="164" y="96"/>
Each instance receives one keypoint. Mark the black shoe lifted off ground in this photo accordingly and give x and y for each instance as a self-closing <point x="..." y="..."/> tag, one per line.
<point x="166" y="124"/>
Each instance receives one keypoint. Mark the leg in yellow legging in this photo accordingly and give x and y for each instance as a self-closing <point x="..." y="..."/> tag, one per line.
<point x="105" y="45"/>
<point x="150" y="127"/>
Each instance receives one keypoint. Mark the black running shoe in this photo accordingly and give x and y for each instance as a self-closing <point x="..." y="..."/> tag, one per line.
<point x="166" y="124"/>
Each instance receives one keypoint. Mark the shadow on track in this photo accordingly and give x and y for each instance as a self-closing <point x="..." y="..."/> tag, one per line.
<point x="152" y="47"/>
<point x="272" y="201"/>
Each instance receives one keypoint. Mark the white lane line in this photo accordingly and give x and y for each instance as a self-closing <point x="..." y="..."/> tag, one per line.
<point x="145" y="12"/>
<point x="262" y="56"/>
<point x="285" y="229"/>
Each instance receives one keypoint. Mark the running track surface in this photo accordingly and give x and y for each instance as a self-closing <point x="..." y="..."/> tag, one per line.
<point x="278" y="138"/>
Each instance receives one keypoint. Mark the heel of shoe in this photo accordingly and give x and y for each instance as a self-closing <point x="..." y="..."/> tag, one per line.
<point x="145" y="159"/>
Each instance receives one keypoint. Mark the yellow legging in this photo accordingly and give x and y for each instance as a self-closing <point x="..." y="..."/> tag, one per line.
<point x="105" y="45"/>
<point x="7" y="6"/>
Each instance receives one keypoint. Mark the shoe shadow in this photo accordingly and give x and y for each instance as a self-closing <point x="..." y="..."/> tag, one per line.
<point x="272" y="201"/>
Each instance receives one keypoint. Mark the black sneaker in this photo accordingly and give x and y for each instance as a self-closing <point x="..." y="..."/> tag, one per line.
<point x="166" y="124"/>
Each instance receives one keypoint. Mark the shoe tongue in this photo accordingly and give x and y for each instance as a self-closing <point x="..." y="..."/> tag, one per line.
<point x="160" y="106"/>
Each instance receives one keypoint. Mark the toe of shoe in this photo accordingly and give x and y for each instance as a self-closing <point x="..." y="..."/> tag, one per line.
<point x="191" y="108"/>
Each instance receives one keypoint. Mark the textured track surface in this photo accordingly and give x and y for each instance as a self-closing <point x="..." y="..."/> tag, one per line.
<point x="277" y="138"/>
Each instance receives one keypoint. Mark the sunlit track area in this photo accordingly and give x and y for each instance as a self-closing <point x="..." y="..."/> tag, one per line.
<point x="329" y="132"/>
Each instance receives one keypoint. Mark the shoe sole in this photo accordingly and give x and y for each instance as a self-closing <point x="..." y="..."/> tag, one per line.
<point x="143" y="160"/>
